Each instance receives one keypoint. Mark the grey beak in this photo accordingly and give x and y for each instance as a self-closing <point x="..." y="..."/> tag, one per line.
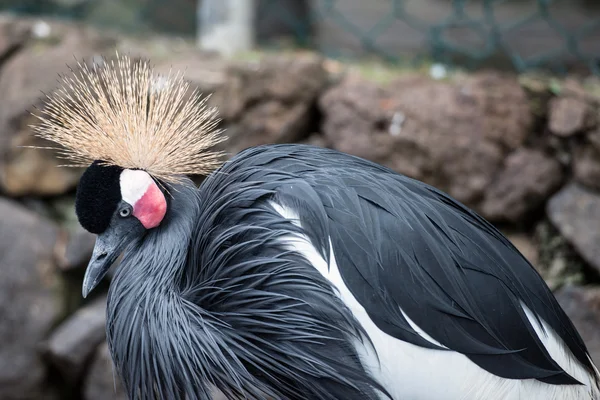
<point x="107" y="249"/>
<point x="109" y="246"/>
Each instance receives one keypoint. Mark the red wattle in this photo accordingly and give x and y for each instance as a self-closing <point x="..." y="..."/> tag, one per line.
<point x="150" y="209"/>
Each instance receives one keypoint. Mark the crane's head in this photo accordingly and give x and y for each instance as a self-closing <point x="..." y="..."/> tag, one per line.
<point x="145" y="128"/>
<point x="118" y="205"/>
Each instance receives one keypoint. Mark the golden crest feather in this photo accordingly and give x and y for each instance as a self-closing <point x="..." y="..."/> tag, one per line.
<point x="123" y="113"/>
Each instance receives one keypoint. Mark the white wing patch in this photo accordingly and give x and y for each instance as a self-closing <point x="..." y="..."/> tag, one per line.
<point x="134" y="184"/>
<point x="412" y="372"/>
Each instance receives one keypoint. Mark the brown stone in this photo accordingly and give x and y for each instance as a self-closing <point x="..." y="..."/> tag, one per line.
<point x="453" y="135"/>
<point x="269" y="122"/>
<point x="278" y="95"/>
<point x="29" y="301"/>
<point x="586" y="165"/>
<point x="287" y="78"/>
<point x="526" y="246"/>
<point x="582" y="305"/>
<point x="32" y="70"/>
<point x="501" y="105"/>
<point x="568" y="115"/>
<point x="575" y="211"/>
<point x="267" y="101"/>
<point x="593" y="138"/>
<point x="528" y="178"/>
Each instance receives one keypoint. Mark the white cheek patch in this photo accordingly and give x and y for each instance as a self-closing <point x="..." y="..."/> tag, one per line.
<point x="134" y="184"/>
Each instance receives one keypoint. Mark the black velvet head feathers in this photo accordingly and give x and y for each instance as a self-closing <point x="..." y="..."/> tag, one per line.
<point x="98" y="195"/>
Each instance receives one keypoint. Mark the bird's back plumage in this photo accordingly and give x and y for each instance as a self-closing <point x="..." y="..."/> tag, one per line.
<point x="426" y="270"/>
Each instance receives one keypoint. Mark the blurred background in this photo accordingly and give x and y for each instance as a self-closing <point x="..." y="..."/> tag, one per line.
<point x="496" y="102"/>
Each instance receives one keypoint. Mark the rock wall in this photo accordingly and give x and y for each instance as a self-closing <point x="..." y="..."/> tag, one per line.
<point x="522" y="151"/>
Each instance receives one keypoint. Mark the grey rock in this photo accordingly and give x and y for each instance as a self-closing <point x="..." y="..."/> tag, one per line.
<point x="528" y="178"/>
<point x="74" y="341"/>
<point x="29" y="300"/>
<point x="558" y="262"/>
<point x="582" y="305"/>
<point x="568" y="115"/>
<point x="575" y="211"/>
<point x="102" y="382"/>
<point x="75" y="249"/>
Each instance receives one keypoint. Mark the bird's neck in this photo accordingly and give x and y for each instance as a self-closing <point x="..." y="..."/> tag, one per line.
<point x="159" y="259"/>
<point x="144" y="300"/>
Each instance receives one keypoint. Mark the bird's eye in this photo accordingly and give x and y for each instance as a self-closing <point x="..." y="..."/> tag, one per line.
<point x="125" y="212"/>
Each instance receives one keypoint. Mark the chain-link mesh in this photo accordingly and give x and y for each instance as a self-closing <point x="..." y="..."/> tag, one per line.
<point x="560" y="35"/>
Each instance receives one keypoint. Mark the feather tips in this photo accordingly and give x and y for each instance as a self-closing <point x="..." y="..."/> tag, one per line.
<point x="403" y="244"/>
<point x="123" y="113"/>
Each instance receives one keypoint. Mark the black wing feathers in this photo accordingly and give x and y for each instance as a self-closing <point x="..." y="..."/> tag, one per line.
<point x="403" y="245"/>
<point x="269" y="307"/>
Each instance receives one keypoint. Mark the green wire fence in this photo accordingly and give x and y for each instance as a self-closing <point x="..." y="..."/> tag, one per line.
<point x="557" y="35"/>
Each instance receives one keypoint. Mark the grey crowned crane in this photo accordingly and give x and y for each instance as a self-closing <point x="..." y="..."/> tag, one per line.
<point x="294" y="272"/>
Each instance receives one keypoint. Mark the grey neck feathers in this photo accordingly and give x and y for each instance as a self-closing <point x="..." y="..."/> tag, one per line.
<point x="156" y="262"/>
<point x="144" y="304"/>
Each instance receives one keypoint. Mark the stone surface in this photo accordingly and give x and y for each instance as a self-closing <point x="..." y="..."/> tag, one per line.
<point x="101" y="382"/>
<point x="593" y="138"/>
<point x="527" y="179"/>
<point x="75" y="340"/>
<point x="558" y="263"/>
<point x="29" y="302"/>
<point x="13" y="35"/>
<point x="32" y="70"/>
<point x="266" y="101"/>
<point x="277" y="96"/>
<point x="74" y="249"/>
<point x="453" y="135"/>
<point x="582" y="305"/>
<point x="586" y="165"/>
<point x="568" y="115"/>
<point x="575" y="211"/>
